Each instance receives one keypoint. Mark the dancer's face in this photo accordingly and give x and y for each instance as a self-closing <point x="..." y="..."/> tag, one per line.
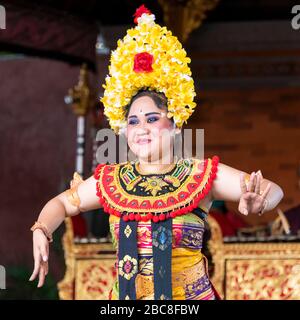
<point x="149" y="131"/>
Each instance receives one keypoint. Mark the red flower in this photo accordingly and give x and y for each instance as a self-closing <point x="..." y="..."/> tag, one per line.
<point x="139" y="11"/>
<point x="143" y="62"/>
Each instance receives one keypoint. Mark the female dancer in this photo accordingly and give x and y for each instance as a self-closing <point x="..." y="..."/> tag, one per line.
<point x="157" y="203"/>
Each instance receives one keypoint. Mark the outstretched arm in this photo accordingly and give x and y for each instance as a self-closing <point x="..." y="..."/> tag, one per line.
<point x="55" y="211"/>
<point x="53" y="214"/>
<point x="254" y="193"/>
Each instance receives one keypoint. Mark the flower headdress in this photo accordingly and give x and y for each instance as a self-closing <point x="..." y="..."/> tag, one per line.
<point x="148" y="57"/>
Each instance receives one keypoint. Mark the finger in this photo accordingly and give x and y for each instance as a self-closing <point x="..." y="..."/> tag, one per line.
<point x="266" y="191"/>
<point x="47" y="268"/>
<point x="254" y="182"/>
<point x="244" y="211"/>
<point x="37" y="261"/>
<point x="41" y="276"/>
<point x="243" y="183"/>
<point x="44" y="253"/>
<point x="251" y="183"/>
<point x="260" y="173"/>
<point x="243" y="207"/>
<point x="258" y="181"/>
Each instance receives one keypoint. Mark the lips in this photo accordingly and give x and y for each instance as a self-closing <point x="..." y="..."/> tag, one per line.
<point x="143" y="141"/>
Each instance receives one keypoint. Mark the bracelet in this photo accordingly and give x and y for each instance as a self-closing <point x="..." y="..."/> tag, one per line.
<point x="41" y="226"/>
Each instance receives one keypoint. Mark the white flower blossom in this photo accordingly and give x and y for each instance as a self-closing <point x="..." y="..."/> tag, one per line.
<point x="147" y="18"/>
<point x="176" y="60"/>
<point x="186" y="77"/>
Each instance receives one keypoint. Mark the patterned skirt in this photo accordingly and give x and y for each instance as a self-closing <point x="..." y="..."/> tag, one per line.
<point x="190" y="280"/>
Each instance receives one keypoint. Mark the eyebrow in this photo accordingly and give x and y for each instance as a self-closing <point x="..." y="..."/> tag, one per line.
<point x="146" y="114"/>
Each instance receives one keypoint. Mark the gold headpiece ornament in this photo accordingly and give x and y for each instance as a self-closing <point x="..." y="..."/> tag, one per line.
<point x="148" y="57"/>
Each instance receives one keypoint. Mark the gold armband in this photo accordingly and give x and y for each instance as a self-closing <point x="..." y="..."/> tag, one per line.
<point x="72" y="194"/>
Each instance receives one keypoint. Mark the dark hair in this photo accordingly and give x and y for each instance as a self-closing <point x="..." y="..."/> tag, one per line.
<point x="158" y="98"/>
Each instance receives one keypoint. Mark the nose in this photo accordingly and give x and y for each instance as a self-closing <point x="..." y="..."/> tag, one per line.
<point x="142" y="131"/>
<point x="142" y="128"/>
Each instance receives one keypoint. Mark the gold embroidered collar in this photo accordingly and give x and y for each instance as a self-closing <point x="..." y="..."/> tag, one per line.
<point x="124" y="191"/>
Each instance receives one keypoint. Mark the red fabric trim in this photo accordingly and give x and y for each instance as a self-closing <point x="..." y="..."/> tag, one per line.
<point x="97" y="170"/>
<point x="130" y="204"/>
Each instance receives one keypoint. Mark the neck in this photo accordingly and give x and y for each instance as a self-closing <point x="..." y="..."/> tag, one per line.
<point x="156" y="166"/>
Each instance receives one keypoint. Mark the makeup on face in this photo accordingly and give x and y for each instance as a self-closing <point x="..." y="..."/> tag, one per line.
<point x="146" y="126"/>
<point x="151" y="117"/>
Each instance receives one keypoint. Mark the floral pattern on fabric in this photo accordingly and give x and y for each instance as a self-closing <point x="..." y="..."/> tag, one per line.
<point x="127" y="267"/>
<point x="162" y="238"/>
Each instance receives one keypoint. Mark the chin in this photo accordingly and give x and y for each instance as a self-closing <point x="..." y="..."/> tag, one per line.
<point x="142" y="152"/>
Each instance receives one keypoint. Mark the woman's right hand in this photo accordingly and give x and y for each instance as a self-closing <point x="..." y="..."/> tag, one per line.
<point x="52" y="215"/>
<point x="40" y="254"/>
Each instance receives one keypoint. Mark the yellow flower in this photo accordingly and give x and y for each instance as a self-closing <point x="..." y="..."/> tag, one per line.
<point x="171" y="73"/>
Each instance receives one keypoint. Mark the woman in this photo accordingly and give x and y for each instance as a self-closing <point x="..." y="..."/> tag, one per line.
<point x="157" y="203"/>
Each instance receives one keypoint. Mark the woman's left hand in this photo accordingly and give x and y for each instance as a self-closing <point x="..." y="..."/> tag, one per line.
<point x="252" y="200"/>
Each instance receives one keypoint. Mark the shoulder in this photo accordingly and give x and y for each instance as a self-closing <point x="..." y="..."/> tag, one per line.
<point x="98" y="170"/>
<point x="104" y="166"/>
<point x="207" y="164"/>
<point x="205" y="171"/>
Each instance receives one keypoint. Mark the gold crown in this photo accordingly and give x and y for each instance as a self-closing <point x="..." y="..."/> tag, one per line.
<point x="148" y="57"/>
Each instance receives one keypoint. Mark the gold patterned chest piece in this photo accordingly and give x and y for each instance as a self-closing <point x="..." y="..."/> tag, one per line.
<point x="127" y="193"/>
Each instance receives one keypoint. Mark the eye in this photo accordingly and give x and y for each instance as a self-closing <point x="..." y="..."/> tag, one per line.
<point x="152" y="119"/>
<point x="133" y="121"/>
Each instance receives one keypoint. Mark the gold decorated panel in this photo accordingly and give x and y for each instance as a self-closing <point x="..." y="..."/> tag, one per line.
<point x="94" y="278"/>
<point x="262" y="279"/>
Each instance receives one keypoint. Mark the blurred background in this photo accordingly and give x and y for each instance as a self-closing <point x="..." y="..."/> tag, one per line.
<point x="53" y="61"/>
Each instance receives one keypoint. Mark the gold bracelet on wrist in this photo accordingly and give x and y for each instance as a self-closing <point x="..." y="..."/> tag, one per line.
<point x="43" y="227"/>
